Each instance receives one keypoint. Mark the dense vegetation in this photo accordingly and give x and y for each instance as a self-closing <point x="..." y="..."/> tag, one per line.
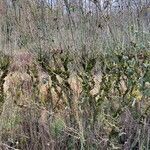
<point x="74" y="75"/>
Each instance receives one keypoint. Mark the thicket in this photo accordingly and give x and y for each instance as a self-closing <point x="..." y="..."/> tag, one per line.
<point x="86" y="38"/>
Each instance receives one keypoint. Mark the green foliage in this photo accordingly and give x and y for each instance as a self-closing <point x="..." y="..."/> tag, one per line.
<point x="4" y="62"/>
<point x="57" y="127"/>
<point x="112" y="100"/>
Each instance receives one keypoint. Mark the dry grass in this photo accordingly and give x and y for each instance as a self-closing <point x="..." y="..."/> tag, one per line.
<point x="74" y="76"/>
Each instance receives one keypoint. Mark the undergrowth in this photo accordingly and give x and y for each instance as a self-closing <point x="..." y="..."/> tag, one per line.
<point x="74" y="77"/>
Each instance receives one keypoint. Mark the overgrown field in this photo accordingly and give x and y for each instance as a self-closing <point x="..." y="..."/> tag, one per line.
<point x="73" y="78"/>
